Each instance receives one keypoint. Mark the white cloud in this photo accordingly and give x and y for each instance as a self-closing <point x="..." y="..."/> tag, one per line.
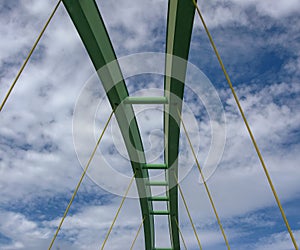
<point x="37" y="154"/>
<point x="238" y="12"/>
<point x="277" y="241"/>
<point x="144" y="24"/>
<point x="278" y="9"/>
<point x="23" y="232"/>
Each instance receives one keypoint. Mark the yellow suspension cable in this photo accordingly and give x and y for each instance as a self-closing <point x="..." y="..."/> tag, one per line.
<point x="188" y="212"/>
<point x="29" y="55"/>
<point x="181" y="235"/>
<point x="137" y="234"/>
<point x="204" y="182"/>
<point x="116" y="216"/>
<point x="248" y="127"/>
<point x="80" y="180"/>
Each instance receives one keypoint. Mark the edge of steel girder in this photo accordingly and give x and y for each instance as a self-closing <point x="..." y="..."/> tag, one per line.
<point x="91" y="28"/>
<point x="179" y="29"/>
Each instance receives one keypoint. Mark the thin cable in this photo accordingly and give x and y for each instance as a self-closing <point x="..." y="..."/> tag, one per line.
<point x="204" y="182"/>
<point x="29" y="55"/>
<point x="137" y="234"/>
<point x="119" y="209"/>
<point x="181" y="235"/>
<point x="78" y="185"/>
<point x="248" y="127"/>
<point x="188" y="212"/>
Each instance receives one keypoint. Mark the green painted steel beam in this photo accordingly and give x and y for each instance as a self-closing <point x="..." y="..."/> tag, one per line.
<point x="155" y="166"/>
<point x="160" y="212"/>
<point x="146" y="100"/>
<point x="179" y="30"/>
<point x="159" y="198"/>
<point x="91" y="28"/>
<point x="157" y="183"/>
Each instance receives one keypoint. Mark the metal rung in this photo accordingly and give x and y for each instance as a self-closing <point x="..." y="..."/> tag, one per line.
<point x="159" y="198"/>
<point x="146" y="100"/>
<point x="155" y="166"/>
<point x="160" y="212"/>
<point x="157" y="183"/>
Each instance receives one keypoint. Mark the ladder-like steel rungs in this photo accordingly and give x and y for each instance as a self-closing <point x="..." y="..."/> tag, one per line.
<point x="158" y="198"/>
<point x="155" y="166"/>
<point x="160" y="212"/>
<point x="146" y="100"/>
<point x="157" y="183"/>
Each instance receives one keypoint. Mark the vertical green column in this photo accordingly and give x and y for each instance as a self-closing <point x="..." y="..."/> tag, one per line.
<point x="179" y="30"/>
<point x="91" y="29"/>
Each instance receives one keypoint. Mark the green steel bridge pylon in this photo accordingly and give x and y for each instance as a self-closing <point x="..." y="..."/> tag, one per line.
<point x="91" y="28"/>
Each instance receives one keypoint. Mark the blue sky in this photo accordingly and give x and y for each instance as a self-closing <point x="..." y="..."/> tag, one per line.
<point x="260" y="45"/>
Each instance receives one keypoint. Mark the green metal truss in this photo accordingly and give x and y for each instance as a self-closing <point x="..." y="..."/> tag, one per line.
<point x="179" y="30"/>
<point x="91" y="28"/>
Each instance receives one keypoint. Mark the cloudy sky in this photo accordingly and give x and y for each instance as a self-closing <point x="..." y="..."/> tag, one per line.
<point x="40" y="161"/>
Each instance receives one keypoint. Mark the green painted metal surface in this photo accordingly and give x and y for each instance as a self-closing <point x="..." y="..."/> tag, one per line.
<point x="160" y="212"/>
<point x="179" y="29"/>
<point x="155" y="166"/>
<point x="91" y="28"/>
<point x="146" y="100"/>
<point x="159" y="198"/>
<point x="157" y="183"/>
